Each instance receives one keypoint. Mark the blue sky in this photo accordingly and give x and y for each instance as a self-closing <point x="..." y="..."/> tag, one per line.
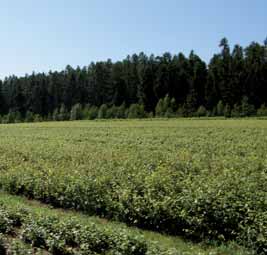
<point x="47" y="35"/>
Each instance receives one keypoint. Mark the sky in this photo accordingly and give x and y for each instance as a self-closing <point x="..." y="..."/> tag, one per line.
<point x="50" y="34"/>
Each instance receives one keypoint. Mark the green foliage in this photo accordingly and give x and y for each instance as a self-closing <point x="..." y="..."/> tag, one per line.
<point x="37" y="118"/>
<point x="227" y="111"/>
<point x="203" y="180"/>
<point x="76" y="112"/>
<point x="180" y="112"/>
<point x="136" y="111"/>
<point x="246" y="108"/>
<point x="55" y="115"/>
<point x="160" y="108"/>
<point x="5" y="222"/>
<point x="262" y="111"/>
<point x="201" y="112"/>
<point x="90" y="112"/>
<point x="66" y="237"/>
<point x="29" y="116"/>
<point x="112" y="112"/>
<point x="219" y="109"/>
<point x="190" y="106"/>
<point x="166" y="107"/>
<point x="2" y="245"/>
<point x="63" y="113"/>
<point x="18" y="117"/>
<point x="9" y="118"/>
<point x="236" y="111"/>
<point x="214" y="112"/>
<point x="159" y="83"/>
<point x="102" y="112"/>
<point x="121" y="113"/>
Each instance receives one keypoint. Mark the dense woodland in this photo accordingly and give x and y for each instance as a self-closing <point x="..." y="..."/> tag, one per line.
<point x="234" y="83"/>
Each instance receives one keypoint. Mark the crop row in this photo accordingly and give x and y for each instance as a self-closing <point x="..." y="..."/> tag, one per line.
<point x="68" y="237"/>
<point x="203" y="180"/>
<point x="229" y="207"/>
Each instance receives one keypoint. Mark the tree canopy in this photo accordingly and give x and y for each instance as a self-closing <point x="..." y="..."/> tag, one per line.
<point x="234" y="78"/>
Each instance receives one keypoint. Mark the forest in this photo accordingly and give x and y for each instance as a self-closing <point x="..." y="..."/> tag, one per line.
<point x="232" y="84"/>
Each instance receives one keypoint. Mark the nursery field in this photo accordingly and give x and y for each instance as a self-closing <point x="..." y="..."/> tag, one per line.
<point x="202" y="180"/>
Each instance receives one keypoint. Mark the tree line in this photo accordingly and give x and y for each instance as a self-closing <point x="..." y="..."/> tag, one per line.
<point x="233" y="84"/>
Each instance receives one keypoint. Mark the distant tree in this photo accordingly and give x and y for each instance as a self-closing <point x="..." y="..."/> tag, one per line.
<point x="63" y="114"/>
<point x="201" y="112"/>
<point x="227" y="111"/>
<point x="220" y="108"/>
<point x="76" y="112"/>
<point x="246" y="108"/>
<point x="136" y="111"/>
<point x="11" y="117"/>
<point x="190" y="106"/>
<point x="85" y="112"/>
<point x="169" y="113"/>
<point x="236" y="111"/>
<point x="49" y="117"/>
<point x="214" y="111"/>
<point x="102" y="112"/>
<point x="262" y="111"/>
<point x="166" y="103"/>
<point x="180" y="112"/>
<point x="160" y="108"/>
<point x="29" y="116"/>
<point x="112" y="112"/>
<point x="159" y="83"/>
<point x="173" y="105"/>
<point x="150" y="115"/>
<point x="55" y="115"/>
<point x="93" y="113"/>
<point x="121" y="113"/>
<point x="37" y="118"/>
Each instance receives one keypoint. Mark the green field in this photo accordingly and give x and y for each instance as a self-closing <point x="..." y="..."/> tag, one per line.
<point x="203" y="180"/>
